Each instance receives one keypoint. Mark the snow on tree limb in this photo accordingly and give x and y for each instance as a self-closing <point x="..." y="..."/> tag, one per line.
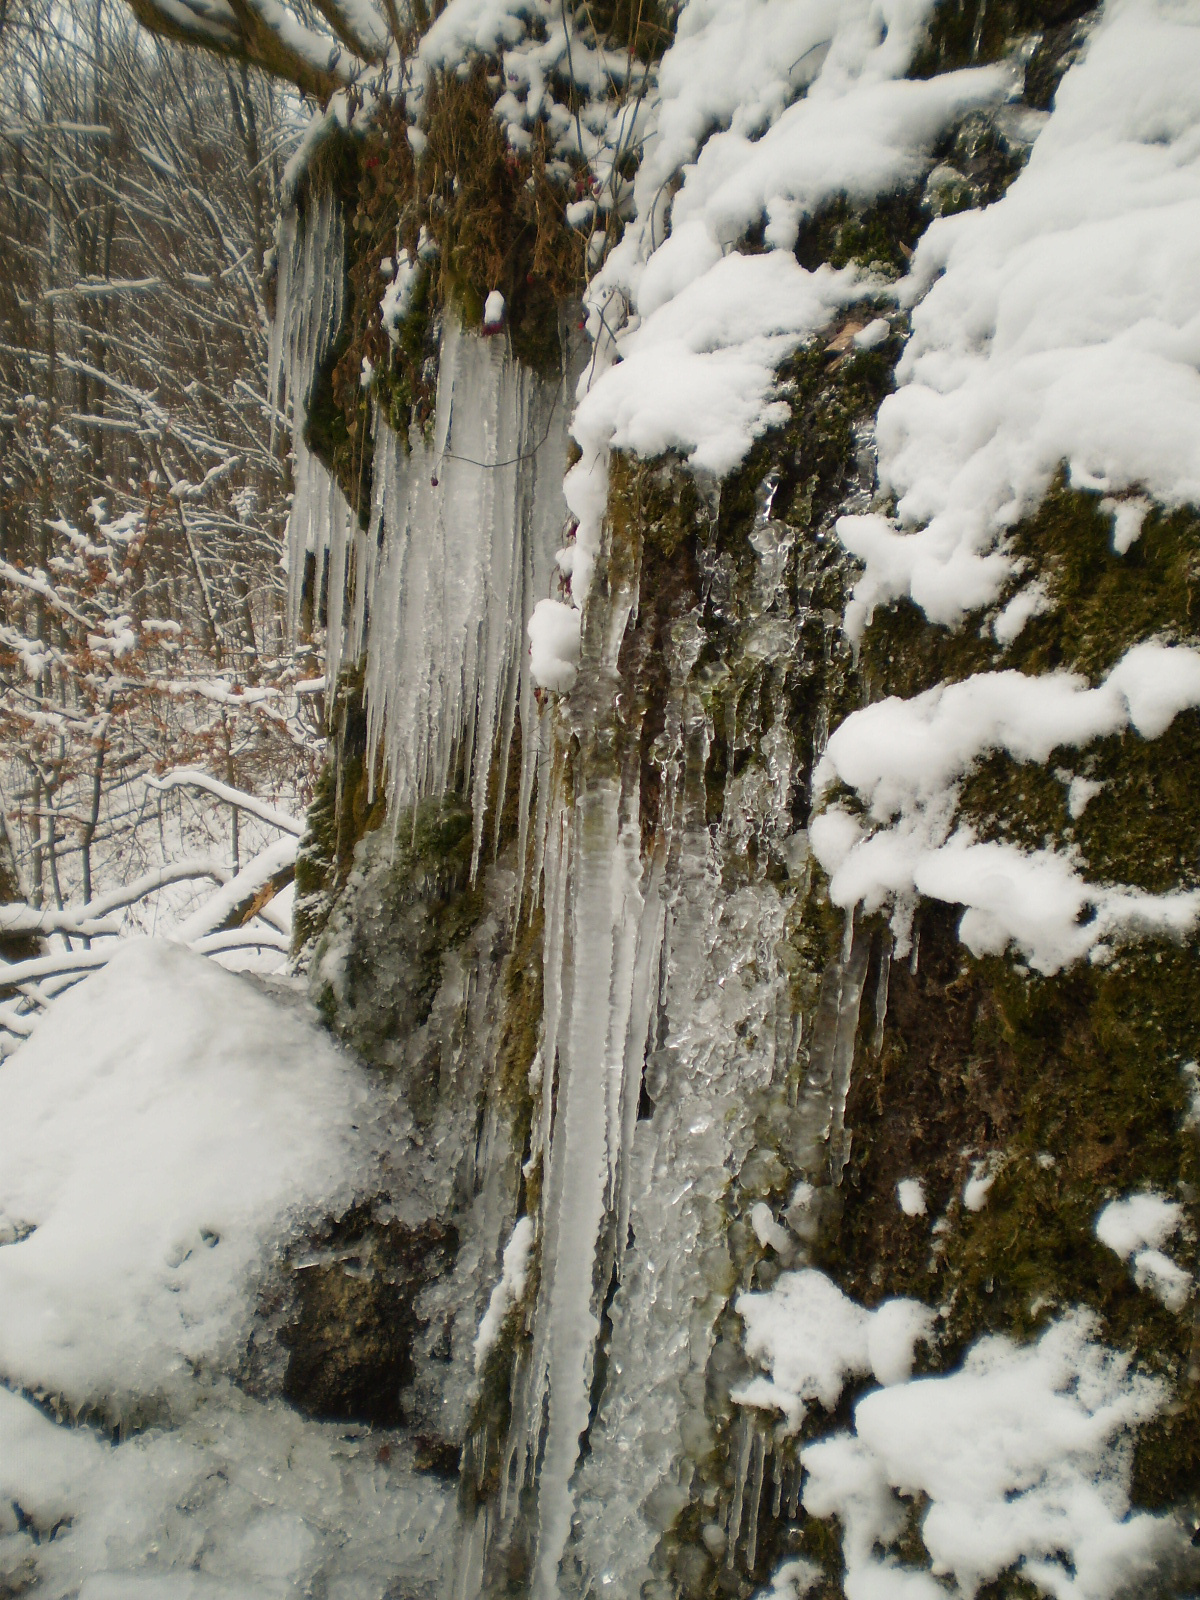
<point x="157" y="878"/>
<point x="192" y="778"/>
<point x="28" y="919"/>
<point x="244" y="895"/>
<point x="241" y="939"/>
<point x="263" y="33"/>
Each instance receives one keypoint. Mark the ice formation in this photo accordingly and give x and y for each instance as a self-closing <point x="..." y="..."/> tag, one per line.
<point x="1045" y="327"/>
<point x="463" y="528"/>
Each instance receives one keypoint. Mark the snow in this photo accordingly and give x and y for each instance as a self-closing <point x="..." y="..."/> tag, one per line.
<point x="508" y="1292"/>
<point x="811" y="1337"/>
<point x="1139" y="1222"/>
<point x="1136" y="1229"/>
<point x="244" y="1501"/>
<point x="902" y="754"/>
<point x="875" y="332"/>
<point x="397" y="299"/>
<point x="163" y="1136"/>
<point x="904" y="759"/>
<point x="793" y="1581"/>
<point x="1058" y="325"/>
<point x="697" y="375"/>
<point x="1035" y="900"/>
<point x="978" y="1186"/>
<point x="910" y="1196"/>
<point x="690" y="331"/>
<point x="554" y="645"/>
<point x="1024" y="1455"/>
<point x="158" y="1134"/>
<point x="493" y="312"/>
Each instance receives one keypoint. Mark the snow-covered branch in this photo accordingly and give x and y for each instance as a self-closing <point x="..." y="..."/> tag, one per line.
<point x="245" y="895"/>
<point x="19" y="918"/>
<point x="191" y="778"/>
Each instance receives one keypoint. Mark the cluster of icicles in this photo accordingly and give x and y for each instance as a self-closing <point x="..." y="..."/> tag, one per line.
<point x="465" y="518"/>
<point x="436" y="594"/>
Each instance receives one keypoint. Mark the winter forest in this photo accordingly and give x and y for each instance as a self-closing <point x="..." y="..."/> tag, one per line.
<point x="600" y="798"/>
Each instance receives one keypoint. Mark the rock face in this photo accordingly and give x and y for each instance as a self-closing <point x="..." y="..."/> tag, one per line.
<point x="606" y="949"/>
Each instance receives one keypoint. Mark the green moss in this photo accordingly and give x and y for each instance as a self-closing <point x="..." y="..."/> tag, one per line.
<point x="879" y="237"/>
<point x="346" y="806"/>
<point x="1072" y="1085"/>
<point x="1102" y="602"/>
<point x="410" y="906"/>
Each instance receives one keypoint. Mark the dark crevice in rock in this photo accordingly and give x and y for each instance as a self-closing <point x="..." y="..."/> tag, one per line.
<point x="351" y="1343"/>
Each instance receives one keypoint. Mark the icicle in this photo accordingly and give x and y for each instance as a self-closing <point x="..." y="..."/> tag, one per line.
<point x="578" y="1178"/>
<point x="881" y="995"/>
<point x="464" y="527"/>
<point x="308" y="314"/>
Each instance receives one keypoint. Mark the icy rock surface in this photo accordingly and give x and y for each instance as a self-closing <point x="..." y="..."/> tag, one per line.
<point x="597" y="1347"/>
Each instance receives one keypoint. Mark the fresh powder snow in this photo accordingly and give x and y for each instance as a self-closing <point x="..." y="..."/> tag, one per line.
<point x="163" y="1136"/>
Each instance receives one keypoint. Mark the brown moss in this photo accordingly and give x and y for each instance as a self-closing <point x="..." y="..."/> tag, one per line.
<point x="495" y="219"/>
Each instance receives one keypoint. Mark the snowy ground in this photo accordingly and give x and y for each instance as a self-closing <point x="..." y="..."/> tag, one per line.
<point x="166" y="1132"/>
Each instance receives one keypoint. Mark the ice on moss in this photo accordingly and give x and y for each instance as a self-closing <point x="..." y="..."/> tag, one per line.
<point x="910" y="1196"/>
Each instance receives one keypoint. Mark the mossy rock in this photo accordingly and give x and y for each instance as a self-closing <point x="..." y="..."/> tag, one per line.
<point x="350" y="1339"/>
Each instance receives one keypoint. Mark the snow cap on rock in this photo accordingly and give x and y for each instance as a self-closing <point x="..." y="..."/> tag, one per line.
<point x="493" y="312"/>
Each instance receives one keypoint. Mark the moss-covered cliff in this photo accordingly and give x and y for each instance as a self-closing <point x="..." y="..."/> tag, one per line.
<point x="640" y="994"/>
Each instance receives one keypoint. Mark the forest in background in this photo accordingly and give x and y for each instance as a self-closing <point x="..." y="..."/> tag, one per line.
<point x="144" y="475"/>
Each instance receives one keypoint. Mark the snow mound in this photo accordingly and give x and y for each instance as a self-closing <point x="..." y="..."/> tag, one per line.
<point x="1059" y="324"/>
<point x="245" y="1501"/>
<point x="1024" y="1454"/>
<point x="159" y="1134"/>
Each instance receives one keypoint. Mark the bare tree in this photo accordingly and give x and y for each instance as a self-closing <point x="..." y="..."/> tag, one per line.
<point x="143" y="492"/>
